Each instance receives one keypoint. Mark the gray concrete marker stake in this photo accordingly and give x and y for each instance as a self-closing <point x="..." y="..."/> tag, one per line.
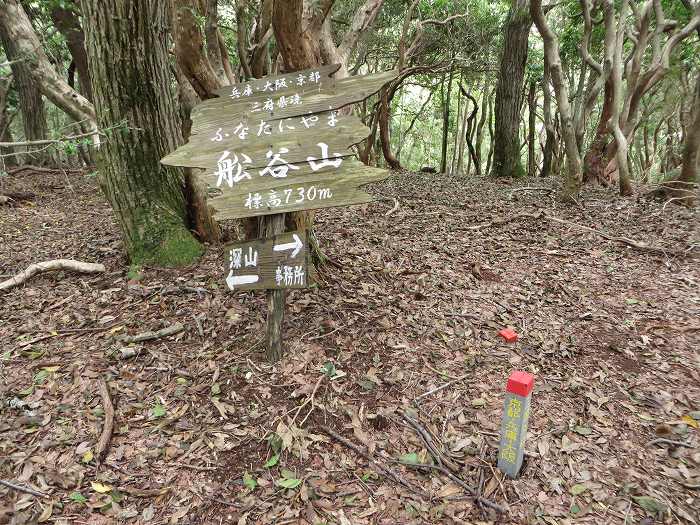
<point x="516" y="411"/>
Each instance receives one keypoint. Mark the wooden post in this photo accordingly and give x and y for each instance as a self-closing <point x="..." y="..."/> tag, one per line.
<point x="270" y="226"/>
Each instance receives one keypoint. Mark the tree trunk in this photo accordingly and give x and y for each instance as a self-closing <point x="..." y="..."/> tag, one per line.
<point x="531" y="110"/>
<point x="458" y="134"/>
<point x="550" y="142"/>
<point x="65" y="18"/>
<point x="263" y="32"/>
<point x="689" y="169"/>
<point x="8" y="154"/>
<point x="17" y="28"/>
<point x="480" y="126"/>
<point x="214" y="52"/>
<point x="506" y="159"/>
<point x="596" y="160"/>
<point x="129" y="65"/>
<point x="446" y="121"/>
<point x="31" y="103"/>
<point x="196" y="79"/>
<point x="384" y="115"/>
<point x="471" y="127"/>
<point x="189" y="50"/>
<point x="685" y="187"/>
<point x="489" y="158"/>
<point x="551" y="49"/>
<point x="298" y="51"/>
<point x="620" y="138"/>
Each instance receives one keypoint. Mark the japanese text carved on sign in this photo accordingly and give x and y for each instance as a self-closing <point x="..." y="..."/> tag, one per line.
<point x="275" y="263"/>
<point x="279" y="144"/>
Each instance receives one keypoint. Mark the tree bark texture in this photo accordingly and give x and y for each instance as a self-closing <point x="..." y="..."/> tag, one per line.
<point x="384" y="133"/>
<point x="489" y="157"/>
<point x="509" y="92"/>
<point x="5" y="121"/>
<point x="131" y="82"/>
<point x="480" y="126"/>
<point x="691" y="148"/>
<point x="595" y="160"/>
<point x="551" y="49"/>
<point x="217" y="56"/>
<point x="446" y="121"/>
<point x="616" y="75"/>
<point x="65" y="18"/>
<point x="550" y="144"/>
<point x="469" y="135"/>
<point x="189" y="50"/>
<point x="31" y="103"/>
<point x="531" y="110"/>
<point x="16" y="26"/>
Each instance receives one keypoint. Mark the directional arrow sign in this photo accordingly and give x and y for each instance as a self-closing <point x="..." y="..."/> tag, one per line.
<point x="297" y="245"/>
<point x="236" y="281"/>
<point x="269" y="264"/>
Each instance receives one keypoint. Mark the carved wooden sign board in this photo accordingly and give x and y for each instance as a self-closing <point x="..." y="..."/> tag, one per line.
<point x="278" y="262"/>
<point x="279" y="145"/>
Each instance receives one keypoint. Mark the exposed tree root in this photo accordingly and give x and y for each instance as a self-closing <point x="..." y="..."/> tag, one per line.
<point x="46" y="266"/>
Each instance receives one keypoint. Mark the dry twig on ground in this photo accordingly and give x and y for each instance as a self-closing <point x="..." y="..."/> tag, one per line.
<point x="386" y="471"/>
<point x="46" y="266"/>
<point x="149" y="336"/>
<point x="108" y="428"/>
<point x="20" y="488"/>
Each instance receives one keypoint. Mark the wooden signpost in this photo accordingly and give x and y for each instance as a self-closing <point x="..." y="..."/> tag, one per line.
<point x="277" y="145"/>
<point x="278" y="262"/>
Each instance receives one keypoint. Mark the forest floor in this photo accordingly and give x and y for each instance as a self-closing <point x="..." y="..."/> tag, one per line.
<point x="207" y="432"/>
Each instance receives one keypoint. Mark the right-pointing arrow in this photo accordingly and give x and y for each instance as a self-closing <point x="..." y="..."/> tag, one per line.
<point x="297" y="245"/>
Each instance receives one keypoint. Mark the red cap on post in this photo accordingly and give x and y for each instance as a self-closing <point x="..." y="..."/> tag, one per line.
<point x="520" y="383"/>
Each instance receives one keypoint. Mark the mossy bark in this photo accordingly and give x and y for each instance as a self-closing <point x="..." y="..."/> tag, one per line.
<point x="132" y="88"/>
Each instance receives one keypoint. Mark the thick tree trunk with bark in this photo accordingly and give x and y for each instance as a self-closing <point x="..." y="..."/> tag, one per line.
<point x="691" y="148"/>
<point x="189" y="50"/>
<point x="506" y="158"/>
<point x="684" y="188"/>
<point x="616" y="76"/>
<point x="595" y="160"/>
<point x="16" y="26"/>
<point x="31" y="103"/>
<point x="131" y="82"/>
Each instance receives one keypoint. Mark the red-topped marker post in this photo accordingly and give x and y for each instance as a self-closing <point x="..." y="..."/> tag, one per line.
<point x="516" y="411"/>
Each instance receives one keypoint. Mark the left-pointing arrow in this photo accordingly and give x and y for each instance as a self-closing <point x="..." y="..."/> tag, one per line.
<point x="238" y="280"/>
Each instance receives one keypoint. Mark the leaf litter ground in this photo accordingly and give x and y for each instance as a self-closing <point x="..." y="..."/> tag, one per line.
<point x="207" y="432"/>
